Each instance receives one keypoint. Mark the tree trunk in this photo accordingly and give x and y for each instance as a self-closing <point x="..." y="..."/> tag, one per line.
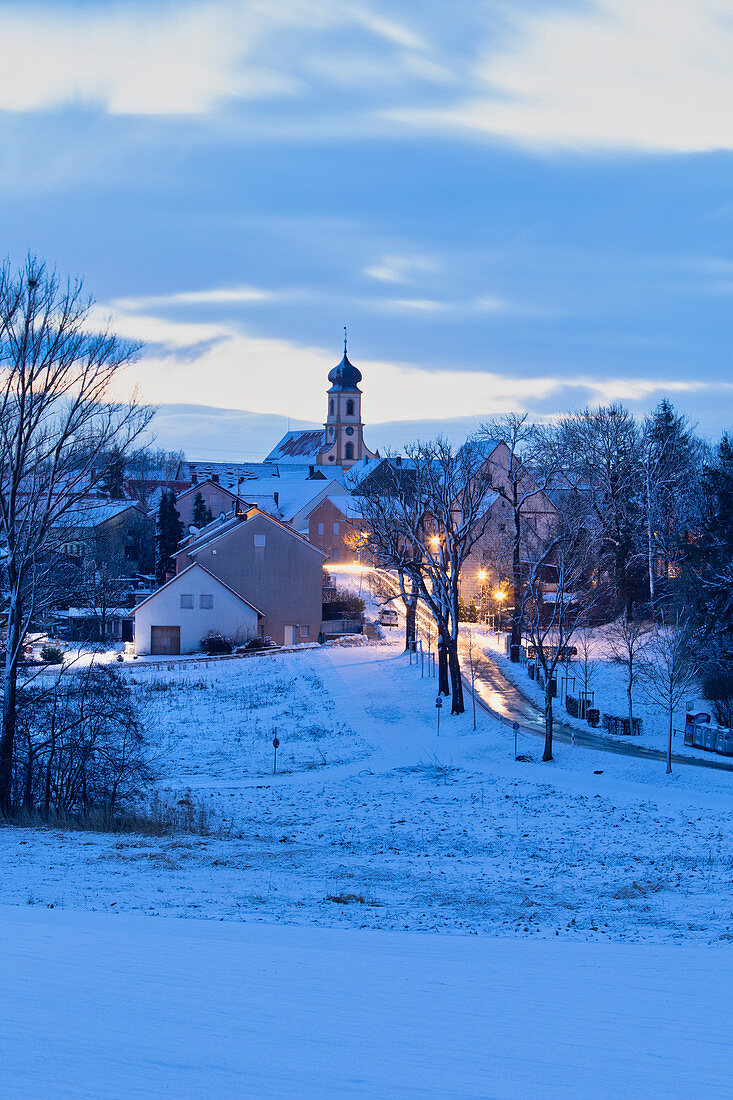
<point x="410" y="616"/>
<point x="547" y="754"/>
<point x="443" y="682"/>
<point x="650" y="550"/>
<point x="631" y="709"/>
<point x="10" y="689"/>
<point x="669" y="745"/>
<point x="457" y="704"/>
<point x="516" y="639"/>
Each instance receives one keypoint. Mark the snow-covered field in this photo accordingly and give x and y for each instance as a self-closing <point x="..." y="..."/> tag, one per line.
<point x="95" y="1005"/>
<point x="376" y="835"/>
<point x="379" y="822"/>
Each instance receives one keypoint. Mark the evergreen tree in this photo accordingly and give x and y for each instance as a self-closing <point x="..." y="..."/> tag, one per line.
<point x="202" y="514"/>
<point x="112" y="482"/>
<point x="462" y="613"/>
<point x="472" y="612"/>
<point x="168" y="534"/>
<point x="708" y="571"/>
<point x="671" y="462"/>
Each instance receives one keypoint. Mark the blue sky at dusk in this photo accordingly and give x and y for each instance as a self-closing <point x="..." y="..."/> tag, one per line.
<point x="511" y="205"/>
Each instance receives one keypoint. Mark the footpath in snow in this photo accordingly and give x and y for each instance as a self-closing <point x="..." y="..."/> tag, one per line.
<point x="124" y="1006"/>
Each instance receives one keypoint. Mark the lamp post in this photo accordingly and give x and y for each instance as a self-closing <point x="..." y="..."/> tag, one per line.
<point x="500" y="596"/>
<point x="482" y="578"/>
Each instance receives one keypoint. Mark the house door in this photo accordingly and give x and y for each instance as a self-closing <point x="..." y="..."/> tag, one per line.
<point x="165" y="640"/>
<point x="289" y="635"/>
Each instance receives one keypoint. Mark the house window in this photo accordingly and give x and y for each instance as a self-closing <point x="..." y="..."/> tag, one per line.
<point x="349" y="407"/>
<point x="349" y="452"/>
<point x="335" y="528"/>
<point x="260" y="542"/>
<point x="305" y="632"/>
<point x="330" y="407"/>
<point x="335" y="554"/>
<point x="206" y="601"/>
<point x="321" y="528"/>
<point x="186" y="599"/>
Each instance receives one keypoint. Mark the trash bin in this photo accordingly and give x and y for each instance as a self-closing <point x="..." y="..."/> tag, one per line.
<point x="709" y="740"/>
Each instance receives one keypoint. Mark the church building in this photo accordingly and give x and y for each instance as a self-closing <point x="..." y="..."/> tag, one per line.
<point x="341" y="442"/>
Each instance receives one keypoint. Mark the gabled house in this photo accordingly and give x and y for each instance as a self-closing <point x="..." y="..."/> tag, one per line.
<point x="216" y="497"/>
<point x="267" y="563"/>
<point x="175" y="618"/>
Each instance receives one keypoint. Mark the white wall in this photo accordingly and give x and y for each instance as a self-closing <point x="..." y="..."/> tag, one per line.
<point x="229" y="615"/>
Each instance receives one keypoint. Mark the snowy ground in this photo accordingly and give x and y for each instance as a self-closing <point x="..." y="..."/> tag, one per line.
<point x="304" y="966"/>
<point x="96" y="1005"/>
<point x="378" y="822"/>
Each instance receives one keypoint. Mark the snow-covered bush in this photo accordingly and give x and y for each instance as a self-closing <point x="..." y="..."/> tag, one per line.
<point x="52" y="655"/>
<point x="213" y="642"/>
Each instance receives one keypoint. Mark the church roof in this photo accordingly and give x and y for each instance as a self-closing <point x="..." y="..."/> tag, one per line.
<point x="344" y="376"/>
<point x="300" y="447"/>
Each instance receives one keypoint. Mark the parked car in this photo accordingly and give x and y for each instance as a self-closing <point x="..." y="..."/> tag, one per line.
<point x="388" y="617"/>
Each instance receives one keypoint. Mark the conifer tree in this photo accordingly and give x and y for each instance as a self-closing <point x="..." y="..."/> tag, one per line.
<point x="202" y="514"/>
<point x="168" y="534"/>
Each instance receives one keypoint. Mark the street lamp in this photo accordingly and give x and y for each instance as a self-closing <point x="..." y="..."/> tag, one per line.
<point x="435" y="542"/>
<point x="482" y="574"/>
<point x="500" y="596"/>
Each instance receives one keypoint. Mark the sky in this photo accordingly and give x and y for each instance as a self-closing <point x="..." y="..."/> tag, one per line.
<point x="512" y="205"/>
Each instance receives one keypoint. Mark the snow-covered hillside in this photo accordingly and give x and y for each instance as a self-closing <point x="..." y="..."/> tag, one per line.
<point x="126" y="1006"/>
<point x="379" y="822"/>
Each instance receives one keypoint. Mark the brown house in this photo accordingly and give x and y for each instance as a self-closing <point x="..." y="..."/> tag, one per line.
<point x="269" y="565"/>
<point x="329" y="528"/>
<point x="217" y="498"/>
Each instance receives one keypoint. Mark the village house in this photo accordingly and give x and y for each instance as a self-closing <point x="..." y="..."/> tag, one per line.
<point x="216" y="498"/>
<point x="177" y="616"/>
<point x="262" y="561"/>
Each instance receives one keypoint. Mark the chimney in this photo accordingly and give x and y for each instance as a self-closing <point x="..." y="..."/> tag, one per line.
<point x="215" y="479"/>
<point x="277" y="499"/>
<point x="398" y="460"/>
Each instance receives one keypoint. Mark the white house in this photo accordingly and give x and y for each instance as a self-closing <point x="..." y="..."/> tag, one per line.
<point x="176" y="617"/>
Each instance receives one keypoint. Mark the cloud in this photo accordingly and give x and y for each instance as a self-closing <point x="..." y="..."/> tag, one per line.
<point x="185" y="58"/>
<point x="401" y="269"/>
<point x="650" y="75"/>
<point x="235" y="295"/>
<point x="225" y="366"/>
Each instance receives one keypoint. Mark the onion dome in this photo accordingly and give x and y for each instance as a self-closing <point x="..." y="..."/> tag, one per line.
<point x="344" y="376"/>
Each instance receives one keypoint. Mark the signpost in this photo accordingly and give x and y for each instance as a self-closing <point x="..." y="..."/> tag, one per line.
<point x="515" y="727"/>
<point x="276" y="746"/>
<point x="438" y="707"/>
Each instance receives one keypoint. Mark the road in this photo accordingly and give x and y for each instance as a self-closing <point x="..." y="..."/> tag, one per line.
<point x="505" y="701"/>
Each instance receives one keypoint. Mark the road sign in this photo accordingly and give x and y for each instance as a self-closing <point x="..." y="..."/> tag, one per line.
<point x="439" y="701"/>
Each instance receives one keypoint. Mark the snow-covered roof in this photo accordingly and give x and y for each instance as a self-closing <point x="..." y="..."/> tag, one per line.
<point x="195" y="565"/>
<point x="292" y="496"/>
<point x="302" y="447"/>
<point x="231" y="522"/>
<point x="94" y="513"/>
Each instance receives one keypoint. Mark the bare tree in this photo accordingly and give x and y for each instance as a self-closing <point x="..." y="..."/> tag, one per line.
<point x="602" y="462"/>
<point x="423" y="518"/>
<point x="626" y="642"/>
<point x="56" y="424"/>
<point x="557" y="600"/>
<point x="587" y="665"/>
<point x="669" y="670"/>
<point x="521" y="471"/>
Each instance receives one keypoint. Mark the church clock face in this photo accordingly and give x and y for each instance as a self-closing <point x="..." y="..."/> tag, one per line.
<point x="349" y="431"/>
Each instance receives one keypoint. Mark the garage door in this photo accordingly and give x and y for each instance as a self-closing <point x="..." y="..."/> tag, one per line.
<point x="165" y="640"/>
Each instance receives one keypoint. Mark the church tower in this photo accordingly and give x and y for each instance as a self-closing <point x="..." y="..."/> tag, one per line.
<point x="344" y="429"/>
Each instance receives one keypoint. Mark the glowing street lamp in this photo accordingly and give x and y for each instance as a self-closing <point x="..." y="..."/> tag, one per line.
<point x="435" y="542"/>
<point x="499" y="595"/>
<point x="482" y="575"/>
